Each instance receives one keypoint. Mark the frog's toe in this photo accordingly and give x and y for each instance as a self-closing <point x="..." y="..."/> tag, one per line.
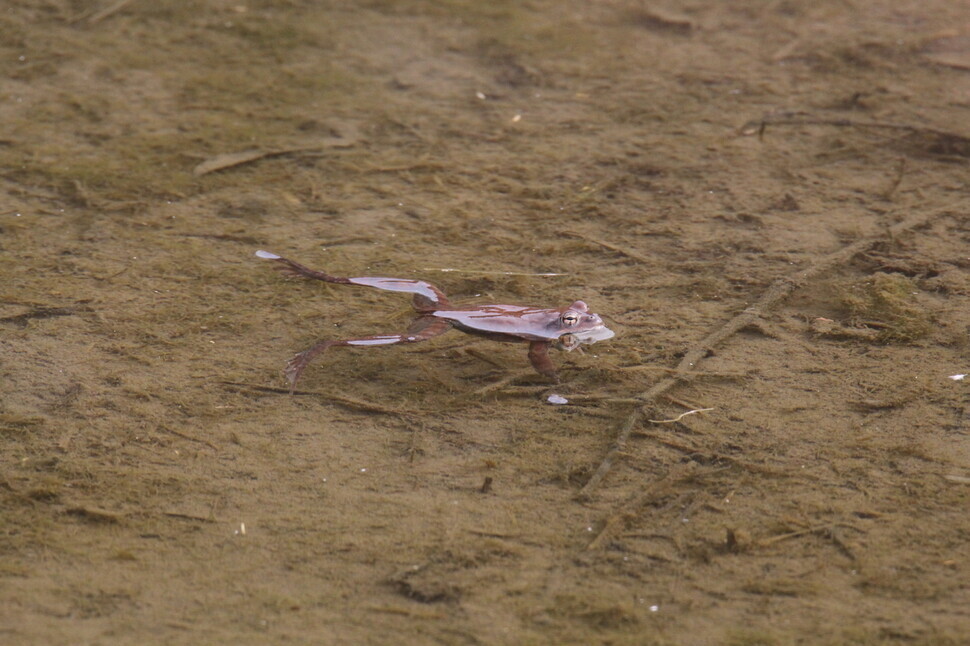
<point x="294" y="368"/>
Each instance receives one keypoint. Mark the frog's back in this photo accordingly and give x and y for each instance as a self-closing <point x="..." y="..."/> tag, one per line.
<point x="514" y="321"/>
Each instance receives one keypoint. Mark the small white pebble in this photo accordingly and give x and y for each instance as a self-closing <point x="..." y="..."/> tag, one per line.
<point x="267" y="255"/>
<point x="557" y="399"/>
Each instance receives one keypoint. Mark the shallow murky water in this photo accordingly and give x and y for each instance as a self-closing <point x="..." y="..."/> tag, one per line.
<point x="796" y="474"/>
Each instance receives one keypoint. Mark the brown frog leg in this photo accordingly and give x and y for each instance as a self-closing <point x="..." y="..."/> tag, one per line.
<point x="424" y="328"/>
<point x="427" y="297"/>
<point x="539" y="356"/>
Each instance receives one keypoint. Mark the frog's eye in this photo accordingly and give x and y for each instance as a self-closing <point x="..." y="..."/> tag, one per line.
<point x="570" y="319"/>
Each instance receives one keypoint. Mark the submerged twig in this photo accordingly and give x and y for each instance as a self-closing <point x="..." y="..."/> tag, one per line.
<point x="944" y="142"/>
<point x="617" y="522"/>
<point x="185" y="516"/>
<point x="758" y="126"/>
<point x="346" y="402"/>
<point x="709" y="457"/>
<point x="94" y="514"/>
<point x="231" y="160"/>
<point x="101" y="14"/>
<point x="484" y="356"/>
<point x="489" y="273"/>
<point x="20" y="320"/>
<point x="827" y="530"/>
<point x="897" y="179"/>
<point x="679" y="417"/>
<point x="776" y="293"/>
<point x="712" y="374"/>
<point x="611" y="246"/>
<point x="504" y="381"/>
<point x="186" y="436"/>
<point x="5" y="484"/>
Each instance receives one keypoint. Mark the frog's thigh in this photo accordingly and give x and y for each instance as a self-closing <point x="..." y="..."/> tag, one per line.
<point x="427" y="327"/>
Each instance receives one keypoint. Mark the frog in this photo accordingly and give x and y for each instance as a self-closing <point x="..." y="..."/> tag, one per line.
<point x="566" y="328"/>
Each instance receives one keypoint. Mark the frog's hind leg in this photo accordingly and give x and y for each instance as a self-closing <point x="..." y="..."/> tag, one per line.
<point x="427" y="297"/>
<point x="424" y="328"/>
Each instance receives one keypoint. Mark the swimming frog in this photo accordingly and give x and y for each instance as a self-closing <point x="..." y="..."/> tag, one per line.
<point x="566" y="328"/>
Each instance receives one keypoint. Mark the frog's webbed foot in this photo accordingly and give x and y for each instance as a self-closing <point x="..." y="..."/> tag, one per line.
<point x="422" y="329"/>
<point x="294" y="269"/>
<point x="539" y="357"/>
<point x="295" y="366"/>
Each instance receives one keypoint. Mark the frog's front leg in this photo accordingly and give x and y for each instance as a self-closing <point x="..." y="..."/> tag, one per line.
<point x="423" y="328"/>
<point x="539" y="357"/>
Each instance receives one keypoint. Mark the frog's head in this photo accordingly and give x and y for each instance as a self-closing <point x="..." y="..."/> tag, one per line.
<point x="578" y="326"/>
